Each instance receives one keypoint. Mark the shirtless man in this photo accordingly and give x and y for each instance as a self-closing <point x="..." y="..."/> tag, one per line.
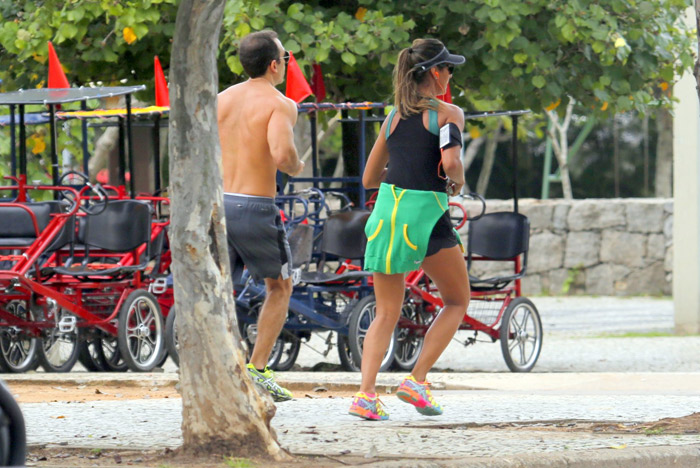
<point x="256" y="124"/>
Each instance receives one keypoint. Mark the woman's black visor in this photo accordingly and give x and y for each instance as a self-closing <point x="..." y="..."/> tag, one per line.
<point x="443" y="57"/>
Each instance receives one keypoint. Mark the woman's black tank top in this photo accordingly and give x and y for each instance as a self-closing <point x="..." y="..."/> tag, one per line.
<point x="414" y="156"/>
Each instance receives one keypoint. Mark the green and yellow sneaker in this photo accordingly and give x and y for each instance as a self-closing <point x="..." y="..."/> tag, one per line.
<point x="266" y="380"/>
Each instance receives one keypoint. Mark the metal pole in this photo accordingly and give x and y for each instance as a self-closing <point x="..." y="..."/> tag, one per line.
<point x="130" y="146"/>
<point x="54" y="154"/>
<point x="156" y="153"/>
<point x="361" y="156"/>
<point x="514" y="153"/>
<point x="314" y="147"/>
<point x="122" y="154"/>
<point x="13" y="142"/>
<point x="22" y="142"/>
<point x="84" y="127"/>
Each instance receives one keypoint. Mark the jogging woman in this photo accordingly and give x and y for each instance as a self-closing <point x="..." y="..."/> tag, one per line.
<point x="409" y="226"/>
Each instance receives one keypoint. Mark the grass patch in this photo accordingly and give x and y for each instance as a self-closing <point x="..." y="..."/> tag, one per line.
<point x="233" y="462"/>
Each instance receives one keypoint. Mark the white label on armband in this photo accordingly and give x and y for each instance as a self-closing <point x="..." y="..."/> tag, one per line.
<point x="444" y="136"/>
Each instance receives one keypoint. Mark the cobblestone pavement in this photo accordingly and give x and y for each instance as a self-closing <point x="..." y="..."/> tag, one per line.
<point x="573" y="344"/>
<point x="321" y="425"/>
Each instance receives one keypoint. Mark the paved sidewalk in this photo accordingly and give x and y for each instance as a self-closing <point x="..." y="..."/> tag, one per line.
<point x="312" y="424"/>
<point x="580" y="377"/>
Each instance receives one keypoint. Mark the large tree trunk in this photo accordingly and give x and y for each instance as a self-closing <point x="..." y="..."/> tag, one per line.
<point x="223" y="412"/>
<point x="663" y="180"/>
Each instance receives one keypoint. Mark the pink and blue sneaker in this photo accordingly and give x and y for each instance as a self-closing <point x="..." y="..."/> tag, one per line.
<point x="418" y="394"/>
<point x="368" y="406"/>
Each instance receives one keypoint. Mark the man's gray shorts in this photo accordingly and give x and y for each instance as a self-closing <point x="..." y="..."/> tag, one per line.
<point x="256" y="237"/>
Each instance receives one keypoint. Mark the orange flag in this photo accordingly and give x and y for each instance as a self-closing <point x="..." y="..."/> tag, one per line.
<point x="57" y="78"/>
<point x="162" y="94"/>
<point x="298" y="88"/>
<point x="447" y="97"/>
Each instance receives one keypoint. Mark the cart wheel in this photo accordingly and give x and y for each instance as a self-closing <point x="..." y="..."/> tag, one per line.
<point x="140" y="331"/>
<point x="409" y="342"/>
<point x="88" y="355"/>
<point x="171" y="337"/>
<point x="13" y="434"/>
<point x="361" y="317"/>
<point x="18" y="349"/>
<point x="59" y="350"/>
<point x="346" y="359"/>
<point x="248" y="326"/>
<point x="110" y="357"/>
<point x="290" y="343"/>
<point x="521" y="335"/>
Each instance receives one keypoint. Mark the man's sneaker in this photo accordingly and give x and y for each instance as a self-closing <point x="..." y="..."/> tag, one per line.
<point x="266" y="380"/>
<point x="418" y="394"/>
<point x="367" y="407"/>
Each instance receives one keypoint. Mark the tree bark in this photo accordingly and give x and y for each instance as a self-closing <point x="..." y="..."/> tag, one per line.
<point x="223" y="411"/>
<point x="696" y="69"/>
<point x="560" y="144"/>
<point x="663" y="179"/>
<point x="482" y="183"/>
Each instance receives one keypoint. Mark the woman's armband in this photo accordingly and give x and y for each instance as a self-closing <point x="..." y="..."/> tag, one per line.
<point x="450" y="136"/>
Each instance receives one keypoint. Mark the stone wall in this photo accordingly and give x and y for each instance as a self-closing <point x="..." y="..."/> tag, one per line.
<point x="593" y="246"/>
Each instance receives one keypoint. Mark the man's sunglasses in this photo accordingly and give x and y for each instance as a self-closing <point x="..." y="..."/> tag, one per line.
<point x="285" y="57"/>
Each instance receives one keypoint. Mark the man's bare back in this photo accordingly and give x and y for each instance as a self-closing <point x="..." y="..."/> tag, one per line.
<point x="256" y="125"/>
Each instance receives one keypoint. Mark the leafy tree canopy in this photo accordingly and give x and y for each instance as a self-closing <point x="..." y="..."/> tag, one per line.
<point x="609" y="56"/>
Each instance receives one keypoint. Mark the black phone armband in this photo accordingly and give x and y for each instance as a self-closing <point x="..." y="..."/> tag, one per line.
<point x="450" y="136"/>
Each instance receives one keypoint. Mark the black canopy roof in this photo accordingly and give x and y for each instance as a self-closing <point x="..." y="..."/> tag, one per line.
<point x="63" y="95"/>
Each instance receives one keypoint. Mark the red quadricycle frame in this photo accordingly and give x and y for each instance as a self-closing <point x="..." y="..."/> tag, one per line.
<point x="82" y="276"/>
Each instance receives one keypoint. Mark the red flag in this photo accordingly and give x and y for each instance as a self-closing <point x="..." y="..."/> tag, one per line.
<point x="298" y="88"/>
<point x="57" y="78"/>
<point x="317" y="84"/>
<point x="447" y="97"/>
<point x="162" y="94"/>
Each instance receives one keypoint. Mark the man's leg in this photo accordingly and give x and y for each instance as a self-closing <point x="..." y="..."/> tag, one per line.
<point x="272" y="316"/>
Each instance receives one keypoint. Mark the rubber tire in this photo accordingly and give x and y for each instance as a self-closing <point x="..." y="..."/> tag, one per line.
<point x="67" y="365"/>
<point x="346" y="360"/>
<point x="13" y="435"/>
<point x="113" y="363"/>
<point x="276" y="353"/>
<point x="291" y="344"/>
<point x="122" y="326"/>
<point x="171" y="337"/>
<point x="30" y="363"/>
<point x="356" y="315"/>
<point x="515" y="304"/>
<point x="407" y="363"/>
<point x="91" y="363"/>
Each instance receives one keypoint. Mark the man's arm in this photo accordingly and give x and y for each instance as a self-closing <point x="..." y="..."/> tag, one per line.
<point x="280" y="137"/>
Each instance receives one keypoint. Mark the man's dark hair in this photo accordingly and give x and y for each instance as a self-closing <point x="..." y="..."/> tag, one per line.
<point x="256" y="52"/>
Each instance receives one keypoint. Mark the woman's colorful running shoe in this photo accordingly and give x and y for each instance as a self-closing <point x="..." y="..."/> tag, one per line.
<point x="418" y="394"/>
<point x="368" y="407"/>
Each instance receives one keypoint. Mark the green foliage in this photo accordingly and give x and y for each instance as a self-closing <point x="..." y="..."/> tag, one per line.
<point x="608" y="56"/>
<point x="355" y="46"/>
<point x="531" y="54"/>
<point x="96" y="41"/>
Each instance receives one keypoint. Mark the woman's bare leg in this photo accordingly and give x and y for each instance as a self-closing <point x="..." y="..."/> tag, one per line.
<point x="448" y="271"/>
<point x="389" y="291"/>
